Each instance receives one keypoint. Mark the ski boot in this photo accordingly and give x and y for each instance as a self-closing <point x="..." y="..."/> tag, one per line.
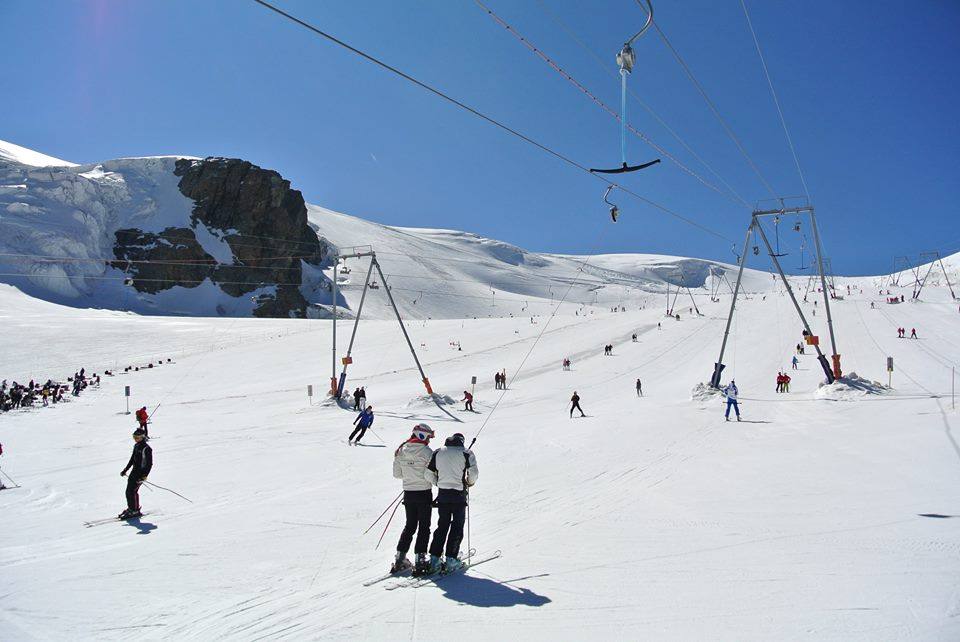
<point x="400" y="563"/>
<point x="125" y="514"/>
<point x="738" y="417"/>
<point x="452" y="565"/>
<point x="435" y="565"/>
<point x="423" y="564"/>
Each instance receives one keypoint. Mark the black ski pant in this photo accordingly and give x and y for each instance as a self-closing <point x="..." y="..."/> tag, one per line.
<point x="418" y="504"/>
<point x="359" y="429"/>
<point x="468" y="406"/>
<point x="449" y="529"/>
<point x="133" y="493"/>
<point x="576" y="406"/>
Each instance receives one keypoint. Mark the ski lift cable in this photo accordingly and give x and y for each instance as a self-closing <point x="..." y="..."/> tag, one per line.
<point x="616" y="116"/>
<point x="776" y="101"/>
<point x="556" y="19"/>
<point x="489" y="119"/>
<point x="712" y="106"/>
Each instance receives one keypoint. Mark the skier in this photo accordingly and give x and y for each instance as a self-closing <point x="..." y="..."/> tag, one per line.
<point x="913" y="333"/>
<point x="786" y="383"/>
<point x="356" y="399"/>
<point x="141" y="461"/>
<point x="142" y="418"/>
<point x="731" y="392"/>
<point x="467" y="401"/>
<point x="779" y="382"/>
<point x="453" y="469"/>
<point x="363" y="397"/>
<point x="639" y="389"/>
<point x="634" y="337"/>
<point x="363" y="421"/>
<point x="575" y="404"/>
<point x="795" y="361"/>
<point x="496" y="380"/>
<point x="410" y="464"/>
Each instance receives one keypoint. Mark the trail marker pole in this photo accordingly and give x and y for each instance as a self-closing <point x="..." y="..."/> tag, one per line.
<point x="953" y="387"/>
<point x="473" y="385"/>
<point x="126" y="393"/>
<point x="310" y="393"/>
<point x="889" y="372"/>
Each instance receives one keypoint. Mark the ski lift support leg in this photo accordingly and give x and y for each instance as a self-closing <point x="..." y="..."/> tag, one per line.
<point x="353" y="335"/>
<point x="333" y="372"/>
<point x="947" y="278"/>
<point x="692" y="300"/>
<point x="426" y="382"/>
<point x="837" y="372"/>
<point x="820" y="356"/>
<point x="718" y="366"/>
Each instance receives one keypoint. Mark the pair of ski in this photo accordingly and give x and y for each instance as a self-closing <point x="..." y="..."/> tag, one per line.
<point x="110" y="520"/>
<point x="406" y="579"/>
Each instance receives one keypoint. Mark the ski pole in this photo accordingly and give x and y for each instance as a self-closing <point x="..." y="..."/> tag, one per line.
<point x="387" y="526"/>
<point x="168" y="490"/>
<point x="395" y="499"/>
<point x="15" y="484"/>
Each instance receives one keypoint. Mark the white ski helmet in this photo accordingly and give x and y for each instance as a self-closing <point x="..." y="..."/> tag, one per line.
<point x="422" y="432"/>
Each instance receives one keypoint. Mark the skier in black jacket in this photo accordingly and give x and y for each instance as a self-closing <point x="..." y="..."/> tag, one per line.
<point x="141" y="461"/>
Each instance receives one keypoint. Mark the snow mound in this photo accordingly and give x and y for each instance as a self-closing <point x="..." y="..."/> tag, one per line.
<point x="849" y="388"/>
<point x="702" y="392"/>
<point x="431" y="400"/>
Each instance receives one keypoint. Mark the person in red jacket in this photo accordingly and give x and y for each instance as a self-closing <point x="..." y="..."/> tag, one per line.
<point x="467" y="401"/>
<point x="142" y="418"/>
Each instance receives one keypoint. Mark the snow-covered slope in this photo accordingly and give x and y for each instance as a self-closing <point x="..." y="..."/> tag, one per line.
<point x="652" y="518"/>
<point x="16" y="154"/>
<point x="451" y="274"/>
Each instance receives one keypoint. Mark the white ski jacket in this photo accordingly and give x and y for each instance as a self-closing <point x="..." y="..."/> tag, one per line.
<point x="410" y="464"/>
<point x="453" y="464"/>
<point x="731" y="392"/>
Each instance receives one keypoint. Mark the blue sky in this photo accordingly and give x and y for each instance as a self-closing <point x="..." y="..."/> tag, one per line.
<point x="869" y="92"/>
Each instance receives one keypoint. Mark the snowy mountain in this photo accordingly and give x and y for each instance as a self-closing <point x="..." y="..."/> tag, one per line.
<point x="223" y="237"/>
<point x="158" y="235"/>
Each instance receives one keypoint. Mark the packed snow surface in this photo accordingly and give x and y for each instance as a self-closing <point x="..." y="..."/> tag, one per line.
<point x="651" y="518"/>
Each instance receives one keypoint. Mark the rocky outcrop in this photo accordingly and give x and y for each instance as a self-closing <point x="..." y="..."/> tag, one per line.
<point x="255" y="218"/>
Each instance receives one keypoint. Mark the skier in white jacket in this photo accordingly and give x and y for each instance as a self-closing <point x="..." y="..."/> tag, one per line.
<point x="454" y="470"/>
<point x="409" y="464"/>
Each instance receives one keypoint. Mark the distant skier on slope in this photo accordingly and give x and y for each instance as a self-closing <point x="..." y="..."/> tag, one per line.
<point x="363" y="421"/>
<point x="467" y="401"/>
<point x="639" y="388"/>
<point x="913" y="333"/>
<point x="794" y="362"/>
<point x="142" y="418"/>
<point x="410" y="464"/>
<point x="140" y="464"/>
<point x="731" y="392"/>
<point x="453" y="469"/>
<point x="575" y="404"/>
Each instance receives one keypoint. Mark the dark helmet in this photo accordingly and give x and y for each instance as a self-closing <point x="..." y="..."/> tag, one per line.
<point x="455" y="439"/>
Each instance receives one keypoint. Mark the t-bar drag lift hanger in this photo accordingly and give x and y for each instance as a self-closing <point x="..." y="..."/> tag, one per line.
<point x="626" y="59"/>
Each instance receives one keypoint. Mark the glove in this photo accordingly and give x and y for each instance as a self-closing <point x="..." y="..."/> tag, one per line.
<point x="123" y="473"/>
<point x="142" y="479"/>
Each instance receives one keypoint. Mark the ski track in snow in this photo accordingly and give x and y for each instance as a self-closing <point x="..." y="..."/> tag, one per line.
<point x="652" y="518"/>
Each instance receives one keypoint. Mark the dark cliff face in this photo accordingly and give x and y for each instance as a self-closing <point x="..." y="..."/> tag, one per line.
<point x="255" y="212"/>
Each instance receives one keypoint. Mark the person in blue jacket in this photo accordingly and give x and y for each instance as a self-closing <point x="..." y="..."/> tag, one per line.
<point x="363" y="421"/>
<point x="732" y="392"/>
